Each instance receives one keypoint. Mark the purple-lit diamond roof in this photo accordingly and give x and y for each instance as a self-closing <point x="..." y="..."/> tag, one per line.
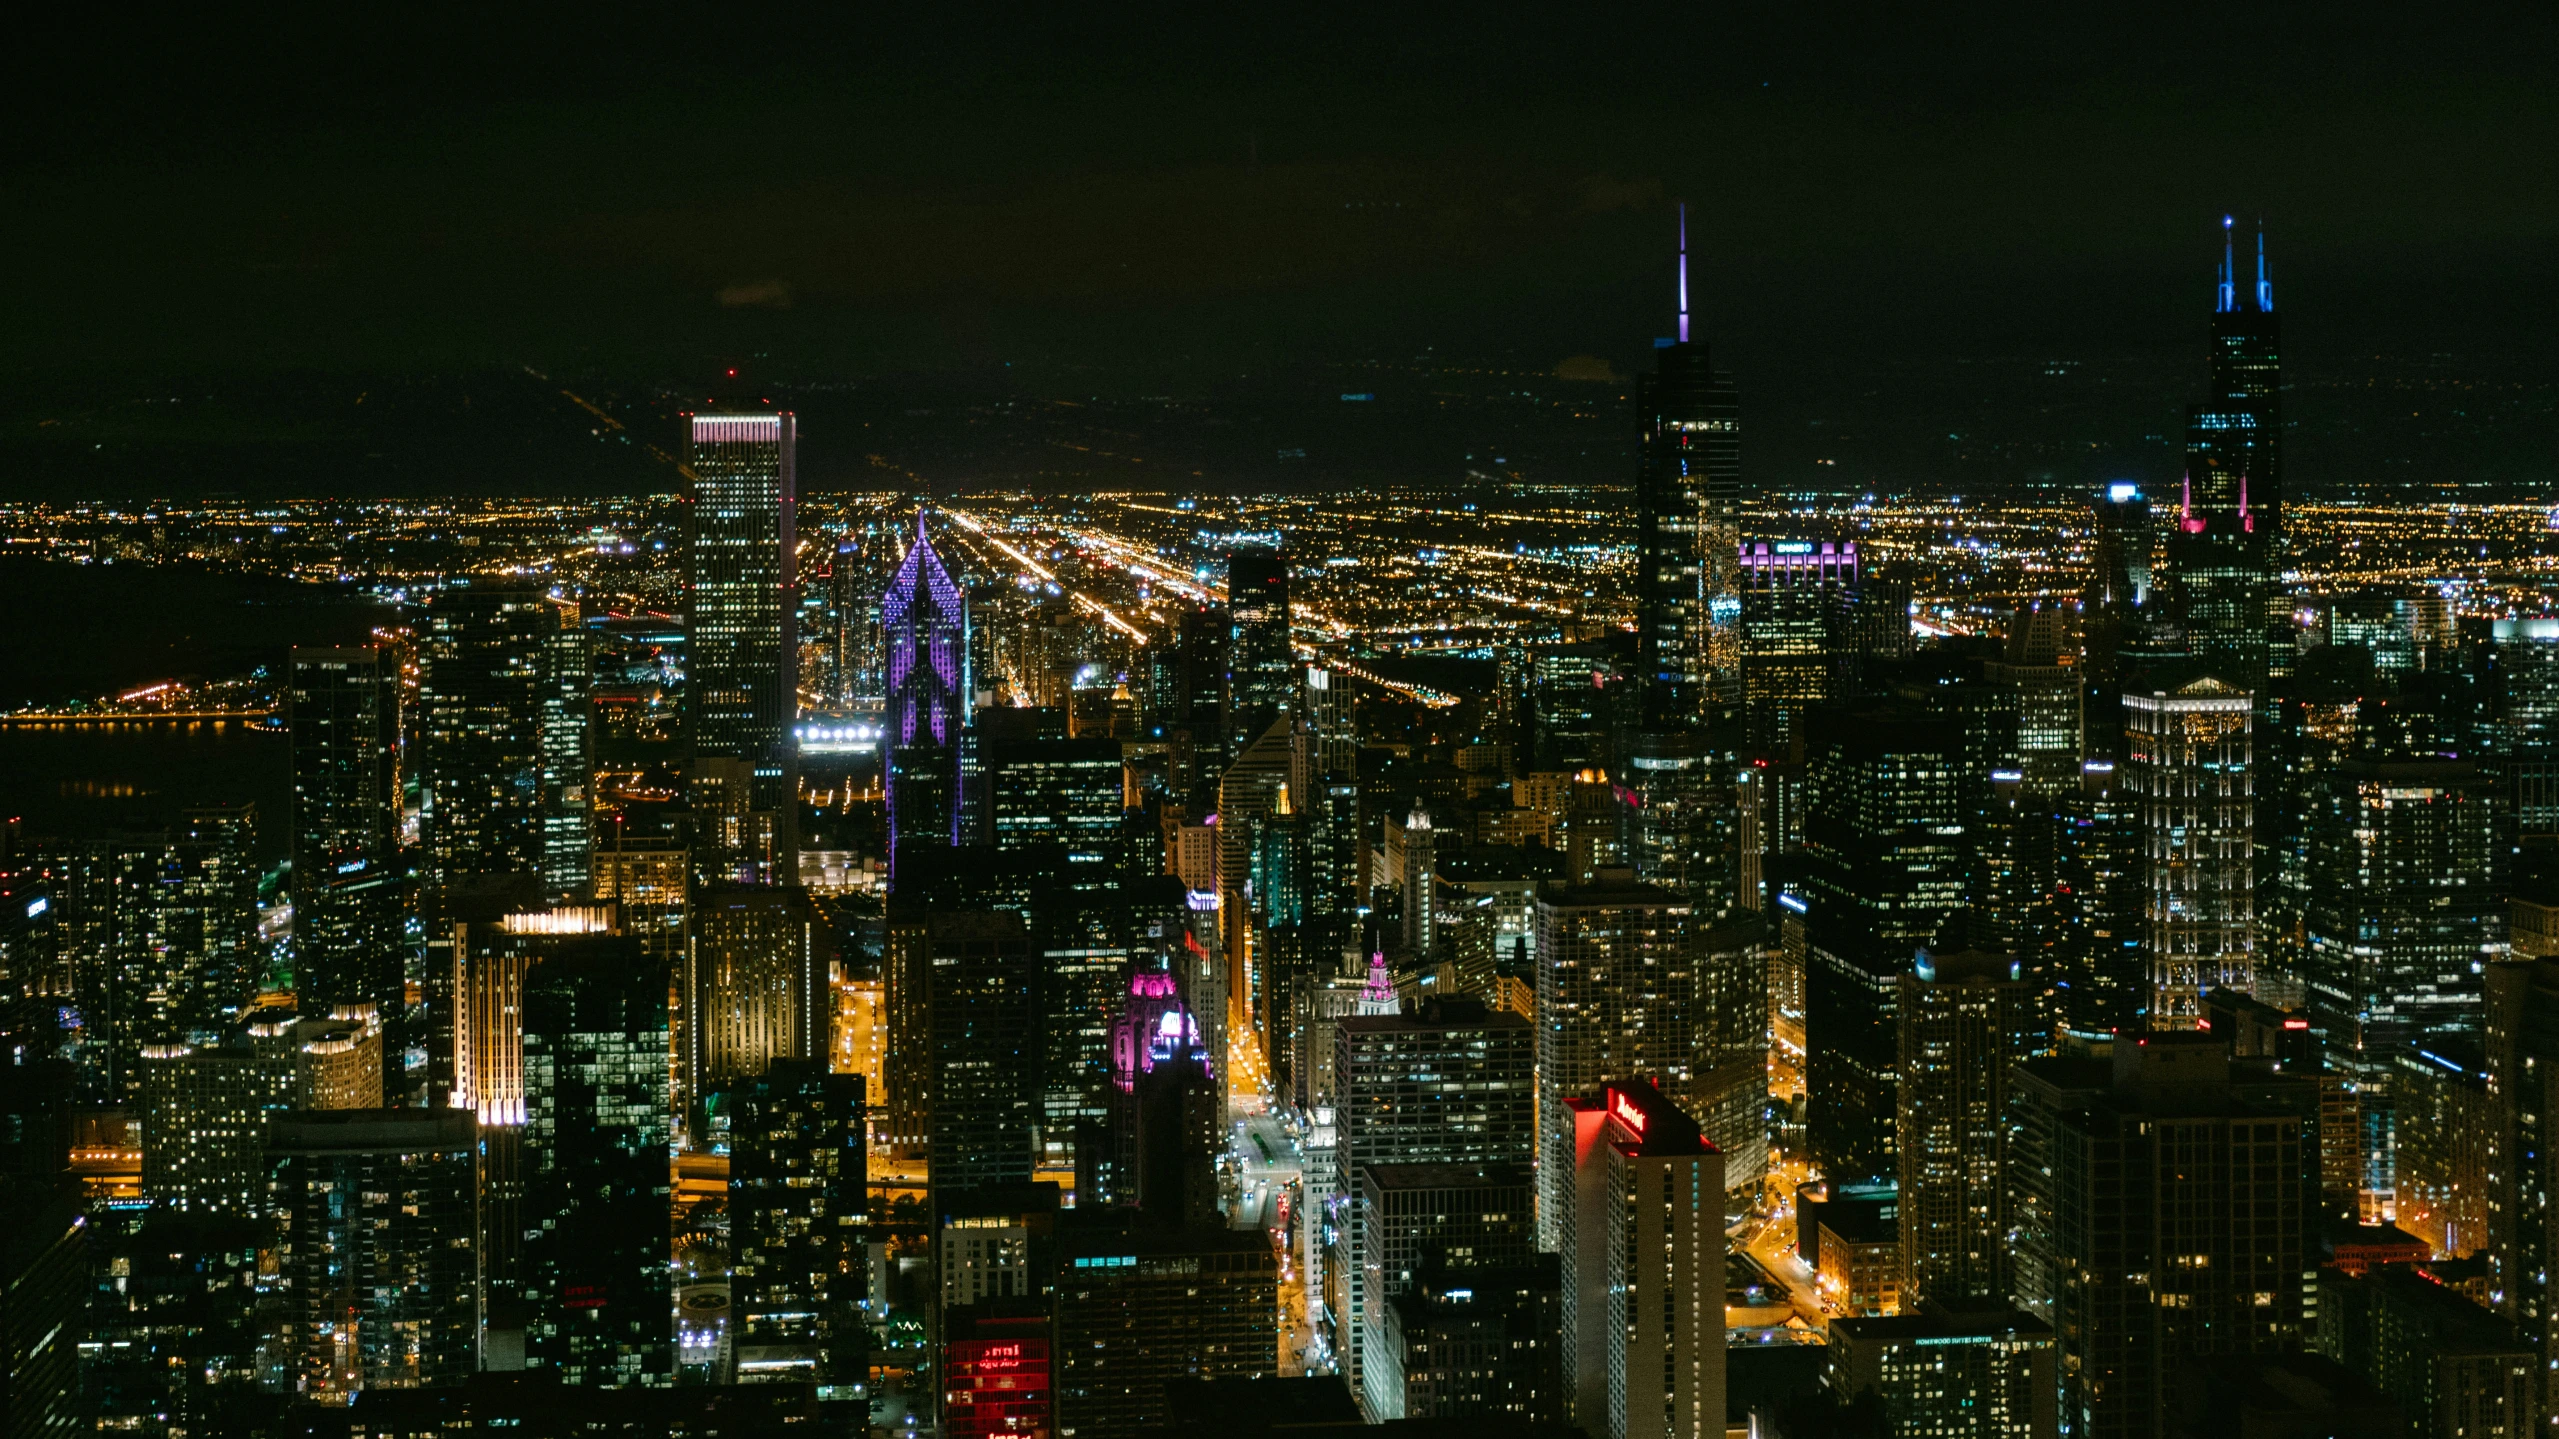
<point x="921" y="614"/>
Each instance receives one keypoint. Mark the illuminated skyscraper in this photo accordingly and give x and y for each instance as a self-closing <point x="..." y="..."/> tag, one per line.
<point x="378" y="1207"/>
<point x="2181" y="1224"/>
<point x="925" y="619"/>
<point x="1962" y="1019"/>
<point x="1642" y="1239"/>
<point x="2224" y="541"/>
<point x="2096" y="919"/>
<point x="1794" y="602"/>
<point x="595" y="1174"/>
<point x="562" y="703"/>
<point x="1451" y="1085"/>
<point x="2110" y="610"/>
<point x="1883" y="867"/>
<point x="2523" y="1163"/>
<point x="796" y="1199"/>
<point x="2189" y="768"/>
<point x="1261" y="662"/>
<point x="755" y="987"/>
<point x="343" y="707"/>
<point x="1687" y="519"/>
<point x="742" y="606"/>
<point x="480" y="656"/>
<point x="204" y="1115"/>
<point x="1617" y="998"/>
<point x="984" y="1046"/>
<point x="181" y="925"/>
<point x="1680" y="825"/>
<point x="2402" y="916"/>
<point x="2038" y="668"/>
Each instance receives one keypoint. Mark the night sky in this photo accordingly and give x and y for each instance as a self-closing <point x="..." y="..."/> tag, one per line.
<point x="1129" y="206"/>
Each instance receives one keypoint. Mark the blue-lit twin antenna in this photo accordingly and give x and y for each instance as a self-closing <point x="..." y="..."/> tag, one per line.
<point x="2229" y="297"/>
<point x="2265" y="286"/>
<point x="1683" y="274"/>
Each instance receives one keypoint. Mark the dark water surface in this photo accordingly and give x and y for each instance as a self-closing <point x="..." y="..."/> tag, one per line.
<point x="77" y="631"/>
<point x="81" y="781"/>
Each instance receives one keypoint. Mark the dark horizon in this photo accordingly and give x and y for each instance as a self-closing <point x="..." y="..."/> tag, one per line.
<point x="1147" y="203"/>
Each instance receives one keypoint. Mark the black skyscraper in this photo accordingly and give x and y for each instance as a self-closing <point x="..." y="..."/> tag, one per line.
<point x="2225" y="535"/>
<point x="1688" y="536"/>
<point x="796" y="1206"/>
<point x="595" y="1094"/>
<point x="480" y="728"/>
<point x="1261" y="668"/>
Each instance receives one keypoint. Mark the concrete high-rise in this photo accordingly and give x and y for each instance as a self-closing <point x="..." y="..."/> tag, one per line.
<point x="1451" y="1084"/>
<point x="2189" y="769"/>
<point x="1963" y="1019"/>
<point x="1617" y="999"/>
<point x="1643" y="1258"/>
<point x="2180" y="1220"/>
<point x="741" y="609"/>
<point x="204" y="1115"/>
<point x="1418" y="1218"/>
<point x="1988" y="1372"/>
<point x="2403" y="913"/>
<point x="756" y="967"/>
<point x="378" y="1210"/>
<point x="563" y="699"/>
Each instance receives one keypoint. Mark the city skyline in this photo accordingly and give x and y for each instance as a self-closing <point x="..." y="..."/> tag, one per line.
<point x="1038" y="757"/>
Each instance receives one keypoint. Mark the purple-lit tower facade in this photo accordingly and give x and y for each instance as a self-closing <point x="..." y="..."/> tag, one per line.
<point x="924" y="622"/>
<point x="1154" y="1026"/>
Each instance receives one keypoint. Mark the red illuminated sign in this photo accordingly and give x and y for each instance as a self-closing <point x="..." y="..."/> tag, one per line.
<point x="1622" y="1107"/>
<point x="996" y="1387"/>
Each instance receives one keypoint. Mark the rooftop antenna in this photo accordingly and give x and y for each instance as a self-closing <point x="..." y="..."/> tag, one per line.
<point x="1683" y="273"/>
<point x="2229" y="299"/>
<point x="2265" y="286"/>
